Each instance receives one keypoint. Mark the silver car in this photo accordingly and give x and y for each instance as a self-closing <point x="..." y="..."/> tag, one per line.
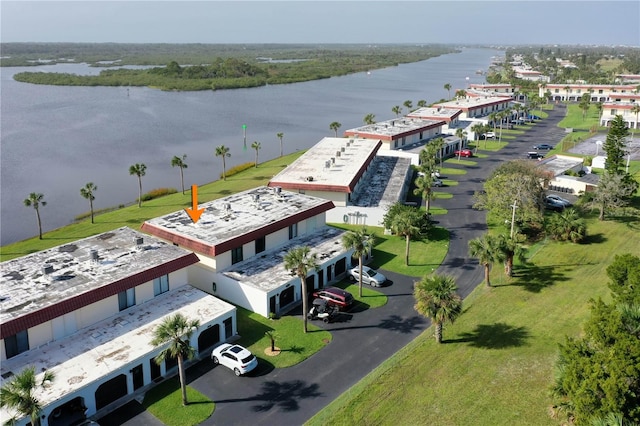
<point x="369" y="276"/>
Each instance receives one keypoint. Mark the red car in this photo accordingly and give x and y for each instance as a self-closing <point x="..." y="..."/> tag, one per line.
<point x="335" y="296"/>
<point x="463" y="153"/>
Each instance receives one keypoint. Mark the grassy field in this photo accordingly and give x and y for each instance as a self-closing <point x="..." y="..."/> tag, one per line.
<point x="495" y="366"/>
<point x="133" y="216"/>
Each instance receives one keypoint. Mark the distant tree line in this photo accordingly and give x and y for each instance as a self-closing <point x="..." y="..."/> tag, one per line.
<point x="230" y="70"/>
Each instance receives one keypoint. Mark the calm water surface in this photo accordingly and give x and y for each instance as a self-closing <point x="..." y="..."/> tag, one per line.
<point x="55" y="139"/>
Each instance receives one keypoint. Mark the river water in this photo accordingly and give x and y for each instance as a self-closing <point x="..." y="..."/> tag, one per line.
<point x="54" y="139"/>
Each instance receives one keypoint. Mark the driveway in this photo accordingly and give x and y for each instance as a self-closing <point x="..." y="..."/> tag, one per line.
<point x="362" y="340"/>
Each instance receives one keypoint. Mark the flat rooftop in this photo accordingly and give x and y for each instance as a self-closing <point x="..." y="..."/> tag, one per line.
<point x="333" y="164"/>
<point x="397" y="127"/>
<point x="558" y="164"/>
<point x="26" y="287"/>
<point x="434" y="113"/>
<point x="267" y="272"/>
<point x="96" y="351"/>
<point x="234" y="216"/>
<point x="476" y="102"/>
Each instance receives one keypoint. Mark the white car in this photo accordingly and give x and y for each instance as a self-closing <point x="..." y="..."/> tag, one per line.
<point x="490" y="135"/>
<point x="235" y="357"/>
<point x="369" y="276"/>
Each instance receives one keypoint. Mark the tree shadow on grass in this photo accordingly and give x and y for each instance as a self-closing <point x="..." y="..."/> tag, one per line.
<point x="594" y="239"/>
<point x="494" y="336"/>
<point x="535" y="278"/>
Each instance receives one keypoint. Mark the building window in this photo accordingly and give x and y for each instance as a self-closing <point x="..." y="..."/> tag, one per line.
<point x="236" y="255"/>
<point x="261" y="245"/>
<point x="293" y="231"/>
<point x="16" y="344"/>
<point x="127" y="299"/>
<point x="160" y="285"/>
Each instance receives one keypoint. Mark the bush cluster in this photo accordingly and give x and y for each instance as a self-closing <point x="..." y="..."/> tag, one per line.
<point x="157" y="193"/>
<point x="237" y="169"/>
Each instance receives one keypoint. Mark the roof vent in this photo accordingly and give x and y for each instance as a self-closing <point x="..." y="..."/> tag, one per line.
<point x="139" y="241"/>
<point x="309" y="178"/>
<point x="277" y="190"/>
<point x="47" y="269"/>
<point x="333" y="160"/>
<point x="94" y="256"/>
<point x="256" y="197"/>
<point x="327" y="164"/>
<point x="227" y="206"/>
<point x="337" y="153"/>
<point x="343" y="149"/>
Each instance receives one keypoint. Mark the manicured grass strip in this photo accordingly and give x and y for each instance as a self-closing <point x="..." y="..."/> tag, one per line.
<point x="370" y="299"/>
<point x="454" y="160"/>
<point x="439" y="210"/>
<point x="164" y="401"/>
<point x="133" y="216"/>
<point x="449" y="182"/>
<point x="496" y="364"/>
<point x="295" y="345"/>
<point x="438" y="195"/>
<point x="450" y="171"/>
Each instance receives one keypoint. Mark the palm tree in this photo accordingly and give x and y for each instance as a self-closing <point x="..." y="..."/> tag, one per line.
<point x="369" y="119"/>
<point x="462" y="134"/>
<point x="460" y="94"/>
<point x="87" y="192"/>
<point x="256" y="145"/>
<point x="635" y="110"/>
<point x="422" y="103"/>
<point x="176" y="330"/>
<point x="361" y="242"/>
<point x="335" y="126"/>
<point x="567" y="88"/>
<point x="408" y="105"/>
<point x="406" y="224"/>
<point x="436" y="299"/>
<point x="486" y="250"/>
<point x="511" y="248"/>
<point x="280" y="136"/>
<point x="223" y="151"/>
<point x="397" y="110"/>
<point x="180" y="162"/>
<point x="493" y="117"/>
<point x="567" y="226"/>
<point x="17" y="395"/>
<point x="447" y="87"/>
<point x="478" y="130"/>
<point x="35" y="200"/>
<point x="138" y="170"/>
<point x="424" y="183"/>
<point x="301" y="261"/>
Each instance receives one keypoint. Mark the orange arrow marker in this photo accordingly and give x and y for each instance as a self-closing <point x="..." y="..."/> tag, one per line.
<point x="194" y="212"/>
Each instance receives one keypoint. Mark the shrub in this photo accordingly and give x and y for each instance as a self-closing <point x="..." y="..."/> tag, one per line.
<point x="157" y="193"/>
<point x="237" y="169"/>
<point x="588" y="160"/>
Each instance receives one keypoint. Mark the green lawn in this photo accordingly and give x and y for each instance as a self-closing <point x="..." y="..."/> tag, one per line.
<point x="295" y="345"/>
<point x="495" y="366"/>
<point x="164" y="401"/>
<point x="574" y="119"/>
<point x="133" y="216"/>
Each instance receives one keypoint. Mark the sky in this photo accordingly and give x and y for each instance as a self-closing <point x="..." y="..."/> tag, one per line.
<point x="503" y="22"/>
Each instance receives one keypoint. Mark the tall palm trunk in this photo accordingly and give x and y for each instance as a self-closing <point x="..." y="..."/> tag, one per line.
<point x="360" y="266"/>
<point x="139" y="191"/>
<point x="305" y="308"/>
<point x="182" y="179"/>
<point x="183" y="386"/>
<point x="508" y="265"/>
<point x="91" y="207"/>
<point x="438" y="332"/>
<point x="39" y="224"/>
<point x="406" y="251"/>
<point x="487" y="269"/>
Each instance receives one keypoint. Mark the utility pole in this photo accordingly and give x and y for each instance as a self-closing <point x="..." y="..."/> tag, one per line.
<point x="514" y="206"/>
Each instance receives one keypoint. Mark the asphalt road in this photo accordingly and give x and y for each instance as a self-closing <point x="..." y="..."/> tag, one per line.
<point x="361" y="340"/>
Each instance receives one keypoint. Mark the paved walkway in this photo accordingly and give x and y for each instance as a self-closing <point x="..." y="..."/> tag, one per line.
<point x="362" y="340"/>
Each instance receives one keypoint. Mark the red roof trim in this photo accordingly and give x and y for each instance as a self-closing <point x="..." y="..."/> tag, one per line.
<point x="43" y="315"/>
